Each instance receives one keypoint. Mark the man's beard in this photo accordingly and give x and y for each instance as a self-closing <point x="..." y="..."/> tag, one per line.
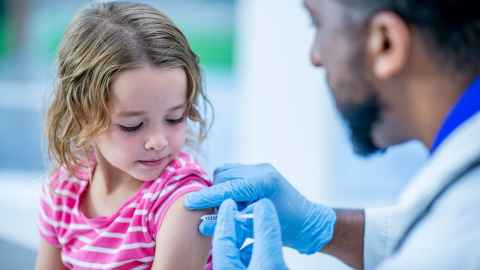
<point x="360" y="119"/>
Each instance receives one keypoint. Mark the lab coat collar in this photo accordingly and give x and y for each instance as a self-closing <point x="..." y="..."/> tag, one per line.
<point x="455" y="153"/>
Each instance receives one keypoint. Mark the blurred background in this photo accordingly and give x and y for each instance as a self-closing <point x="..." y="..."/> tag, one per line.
<point x="270" y="106"/>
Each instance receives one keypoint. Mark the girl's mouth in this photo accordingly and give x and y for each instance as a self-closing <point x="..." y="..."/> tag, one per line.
<point x="151" y="163"/>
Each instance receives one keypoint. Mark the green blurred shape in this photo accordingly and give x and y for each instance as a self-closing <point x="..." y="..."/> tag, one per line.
<point x="215" y="49"/>
<point x="4" y="33"/>
<point x="49" y="35"/>
<point x="56" y="35"/>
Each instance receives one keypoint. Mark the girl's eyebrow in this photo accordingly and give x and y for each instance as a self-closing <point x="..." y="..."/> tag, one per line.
<point x="177" y="107"/>
<point x="140" y="113"/>
<point x="131" y="113"/>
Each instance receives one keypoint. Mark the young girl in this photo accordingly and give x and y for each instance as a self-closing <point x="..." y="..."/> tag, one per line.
<point x="128" y="86"/>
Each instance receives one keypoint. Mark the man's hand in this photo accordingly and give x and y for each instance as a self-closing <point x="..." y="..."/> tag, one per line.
<point x="305" y="226"/>
<point x="266" y="251"/>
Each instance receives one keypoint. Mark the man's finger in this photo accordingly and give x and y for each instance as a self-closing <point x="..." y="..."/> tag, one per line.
<point x="225" y="251"/>
<point x="267" y="250"/>
<point x="246" y="254"/>
<point x="224" y="168"/>
<point x="213" y="196"/>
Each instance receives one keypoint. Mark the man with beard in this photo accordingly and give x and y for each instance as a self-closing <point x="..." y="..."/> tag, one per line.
<point x="399" y="70"/>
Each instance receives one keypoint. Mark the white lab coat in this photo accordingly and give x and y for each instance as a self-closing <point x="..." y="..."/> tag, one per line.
<point x="449" y="236"/>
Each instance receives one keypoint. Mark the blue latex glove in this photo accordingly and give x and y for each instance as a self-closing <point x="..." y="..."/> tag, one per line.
<point x="306" y="226"/>
<point x="266" y="251"/>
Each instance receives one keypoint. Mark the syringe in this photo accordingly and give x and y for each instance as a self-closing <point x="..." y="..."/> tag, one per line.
<point x="240" y="217"/>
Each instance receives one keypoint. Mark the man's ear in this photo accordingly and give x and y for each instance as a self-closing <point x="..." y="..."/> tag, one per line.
<point x="388" y="44"/>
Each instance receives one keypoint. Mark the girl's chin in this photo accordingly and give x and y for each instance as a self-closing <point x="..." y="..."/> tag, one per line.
<point x="146" y="177"/>
<point x="149" y="175"/>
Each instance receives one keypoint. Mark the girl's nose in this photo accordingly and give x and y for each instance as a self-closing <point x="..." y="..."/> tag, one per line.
<point x="156" y="143"/>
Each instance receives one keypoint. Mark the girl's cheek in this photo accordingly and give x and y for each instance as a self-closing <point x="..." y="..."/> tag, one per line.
<point x="178" y="139"/>
<point x="133" y="142"/>
<point x="128" y="141"/>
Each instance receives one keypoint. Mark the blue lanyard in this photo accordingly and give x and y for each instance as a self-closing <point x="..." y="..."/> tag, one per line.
<point x="466" y="107"/>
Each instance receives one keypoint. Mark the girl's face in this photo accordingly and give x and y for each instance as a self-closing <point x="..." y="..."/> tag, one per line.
<point x="148" y="123"/>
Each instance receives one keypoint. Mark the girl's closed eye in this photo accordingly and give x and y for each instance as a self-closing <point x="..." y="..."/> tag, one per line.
<point x="129" y="128"/>
<point x="175" y="121"/>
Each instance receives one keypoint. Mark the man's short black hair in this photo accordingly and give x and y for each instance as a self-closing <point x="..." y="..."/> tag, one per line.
<point x="452" y="26"/>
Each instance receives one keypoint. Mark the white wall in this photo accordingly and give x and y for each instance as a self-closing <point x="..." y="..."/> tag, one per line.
<point x="281" y="95"/>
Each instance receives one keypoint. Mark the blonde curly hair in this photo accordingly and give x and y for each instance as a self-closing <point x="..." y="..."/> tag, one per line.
<point x="102" y="40"/>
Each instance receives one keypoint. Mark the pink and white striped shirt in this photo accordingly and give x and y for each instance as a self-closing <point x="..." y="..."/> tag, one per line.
<point x="124" y="240"/>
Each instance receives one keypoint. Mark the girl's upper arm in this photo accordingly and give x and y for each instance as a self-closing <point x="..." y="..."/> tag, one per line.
<point x="48" y="257"/>
<point x="179" y="245"/>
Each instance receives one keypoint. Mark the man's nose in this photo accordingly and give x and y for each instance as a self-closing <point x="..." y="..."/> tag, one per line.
<point x="315" y="57"/>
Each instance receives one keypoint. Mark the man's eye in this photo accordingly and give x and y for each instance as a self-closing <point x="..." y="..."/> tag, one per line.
<point x="130" y="128"/>
<point x="176" y="121"/>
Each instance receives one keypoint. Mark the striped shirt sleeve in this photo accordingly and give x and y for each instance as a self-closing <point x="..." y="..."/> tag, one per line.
<point x="47" y="225"/>
<point x="188" y="179"/>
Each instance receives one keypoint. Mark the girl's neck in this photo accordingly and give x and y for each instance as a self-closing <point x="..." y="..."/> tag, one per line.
<point x="108" y="180"/>
<point x="108" y="190"/>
